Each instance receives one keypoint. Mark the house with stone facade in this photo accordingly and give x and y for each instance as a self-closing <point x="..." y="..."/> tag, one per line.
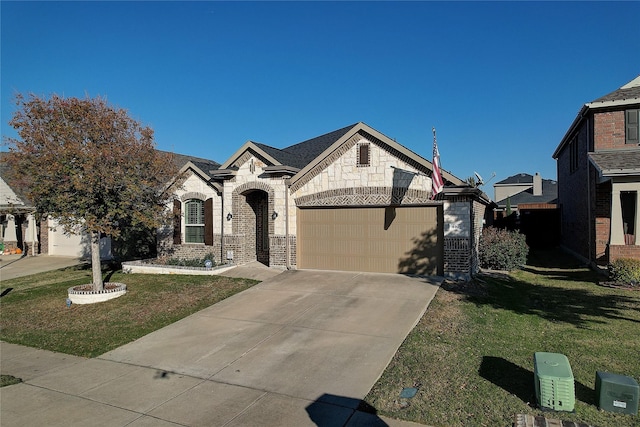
<point x="352" y="199"/>
<point x="598" y="163"/>
<point x="21" y="227"/>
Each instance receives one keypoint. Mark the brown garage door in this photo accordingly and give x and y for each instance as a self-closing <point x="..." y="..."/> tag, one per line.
<point x="382" y="240"/>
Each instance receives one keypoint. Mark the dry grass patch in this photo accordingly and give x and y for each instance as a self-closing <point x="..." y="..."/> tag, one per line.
<point x="471" y="355"/>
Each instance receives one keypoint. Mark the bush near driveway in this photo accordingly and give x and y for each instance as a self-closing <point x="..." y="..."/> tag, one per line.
<point x="501" y="249"/>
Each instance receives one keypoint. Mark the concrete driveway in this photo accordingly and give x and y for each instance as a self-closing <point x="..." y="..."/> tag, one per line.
<point x="302" y="348"/>
<point x="12" y="266"/>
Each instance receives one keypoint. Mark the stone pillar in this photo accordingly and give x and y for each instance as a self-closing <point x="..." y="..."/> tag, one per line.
<point x="10" y="236"/>
<point x="31" y="233"/>
<point x="617" y="233"/>
<point x="636" y="229"/>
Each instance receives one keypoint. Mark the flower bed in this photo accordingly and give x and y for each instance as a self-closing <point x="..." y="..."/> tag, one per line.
<point x="148" y="267"/>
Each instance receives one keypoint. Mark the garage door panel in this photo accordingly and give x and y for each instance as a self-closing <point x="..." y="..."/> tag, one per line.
<point x="389" y="240"/>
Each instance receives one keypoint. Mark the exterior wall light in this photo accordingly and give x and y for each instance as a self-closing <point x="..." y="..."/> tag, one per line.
<point x="274" y="215"/>
<point x="229" y="216"/>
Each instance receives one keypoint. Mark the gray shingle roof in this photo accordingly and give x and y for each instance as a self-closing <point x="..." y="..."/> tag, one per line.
<point x="308" y="150"/>
<point x="617" y="162"/>
<point x="549" y="195"/>
<point x="629" y="91"/>
<point x="301" y="154"/>
<point x="282" y="156"/>
<point x="521" y="178"/>
<point x="205" y="165"/>
<point x="6" y="176"/>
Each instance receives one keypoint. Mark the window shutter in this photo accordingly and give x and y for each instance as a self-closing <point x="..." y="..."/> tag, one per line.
<point x="177" y="221"/>
<point x="632" y="130"/>
<point x="208" y="222"/>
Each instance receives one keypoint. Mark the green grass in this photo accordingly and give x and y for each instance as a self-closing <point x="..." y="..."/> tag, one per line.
<point x="471" y="355"/>
<point x="6" y="380"/>
<point x="33" y="310"/>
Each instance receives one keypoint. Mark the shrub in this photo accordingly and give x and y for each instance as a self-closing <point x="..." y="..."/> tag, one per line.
<point x="502" y="250"/>
<point x="197" y="262"/>
<point x="625" y="271"/>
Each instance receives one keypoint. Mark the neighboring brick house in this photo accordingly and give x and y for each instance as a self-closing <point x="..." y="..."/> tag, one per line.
<point x="598" y="162"/>
<point x="352" y="199"/>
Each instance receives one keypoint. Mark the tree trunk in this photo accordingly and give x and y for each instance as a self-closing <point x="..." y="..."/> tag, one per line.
<point x="96" y="269"/>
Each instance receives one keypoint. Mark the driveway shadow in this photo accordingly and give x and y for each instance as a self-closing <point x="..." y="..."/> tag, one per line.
<point x="330" y="410"/>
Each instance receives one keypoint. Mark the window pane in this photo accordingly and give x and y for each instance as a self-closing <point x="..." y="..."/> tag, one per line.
<point x="194" y="212"/>
<point x="194" y="234"/>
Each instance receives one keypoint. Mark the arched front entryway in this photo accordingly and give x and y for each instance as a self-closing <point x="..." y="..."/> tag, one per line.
<point x="256" y="220"/>
<point x="252" y="224"/>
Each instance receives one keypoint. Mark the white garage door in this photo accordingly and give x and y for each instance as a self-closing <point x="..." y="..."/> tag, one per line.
<point x="74" y="245"/>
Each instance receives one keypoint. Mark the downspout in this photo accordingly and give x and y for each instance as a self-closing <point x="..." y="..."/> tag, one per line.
<point x="589" y="211"/>
<point x="222" y="257"/>
<point x="286" y="222"/>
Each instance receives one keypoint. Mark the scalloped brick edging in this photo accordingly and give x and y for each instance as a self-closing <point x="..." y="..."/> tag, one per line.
<point x="77" y="295"/>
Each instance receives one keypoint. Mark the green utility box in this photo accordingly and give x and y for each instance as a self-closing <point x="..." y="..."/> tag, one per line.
<point x="554" y="381"/>
<point x="617" y="393"/>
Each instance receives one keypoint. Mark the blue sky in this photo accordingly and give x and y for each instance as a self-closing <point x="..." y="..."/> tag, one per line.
<point x="500" y="81"/>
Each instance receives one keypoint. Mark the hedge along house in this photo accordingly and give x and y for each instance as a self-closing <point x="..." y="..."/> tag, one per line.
<point x="352" y="199"/>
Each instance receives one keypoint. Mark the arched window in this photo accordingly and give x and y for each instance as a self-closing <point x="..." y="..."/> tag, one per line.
<point x="194" y="221"/>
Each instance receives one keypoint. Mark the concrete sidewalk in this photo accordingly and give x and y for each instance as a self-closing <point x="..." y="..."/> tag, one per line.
<point x="300" y="349"/>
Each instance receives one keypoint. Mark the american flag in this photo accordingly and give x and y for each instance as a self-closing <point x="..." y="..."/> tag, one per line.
<point x="437" y="184"/>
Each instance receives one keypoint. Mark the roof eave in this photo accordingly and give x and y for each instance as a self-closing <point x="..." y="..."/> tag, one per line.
<point x="614" y="103"/>
<point x="468" y="191"/>
<point x="275" y="169"/>
<point x="569" y="134"/>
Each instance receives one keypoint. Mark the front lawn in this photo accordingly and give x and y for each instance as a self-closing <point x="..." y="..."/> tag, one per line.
<point x="33" y="310"/>
<point x="471" y="355"/>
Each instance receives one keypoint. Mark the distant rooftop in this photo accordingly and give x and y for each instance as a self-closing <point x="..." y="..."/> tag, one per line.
<point x="521" y="178"/>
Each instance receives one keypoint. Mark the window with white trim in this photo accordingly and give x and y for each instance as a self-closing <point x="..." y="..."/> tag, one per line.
<point x="194" y="221"/>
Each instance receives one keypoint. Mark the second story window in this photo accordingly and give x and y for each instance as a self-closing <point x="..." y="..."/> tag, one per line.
<point x="632" y="126"/>
<point x="573" y="155"/>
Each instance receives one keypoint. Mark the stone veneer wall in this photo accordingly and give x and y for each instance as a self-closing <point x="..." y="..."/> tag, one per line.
<point x="478" y="210"/>
<point x="458" y="243"/>
<point x="365" y="196"/>
<point x="278" y="251"/>
<point x="44" y="236"/>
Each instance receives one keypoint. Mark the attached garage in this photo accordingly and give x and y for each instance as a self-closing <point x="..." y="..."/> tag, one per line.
<point x="402" y="239"/>
<point x="77" y="245"/>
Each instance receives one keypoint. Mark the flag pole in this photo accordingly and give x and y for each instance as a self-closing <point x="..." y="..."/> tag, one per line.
<point x="437" y="183"/>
